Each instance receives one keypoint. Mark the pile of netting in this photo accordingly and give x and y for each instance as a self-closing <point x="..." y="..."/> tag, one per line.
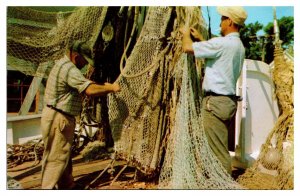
<point x="274" y="168"/>
<point x="36" y="37"/>
<point x="155" y="119"/>
<point x="189" y="161"/>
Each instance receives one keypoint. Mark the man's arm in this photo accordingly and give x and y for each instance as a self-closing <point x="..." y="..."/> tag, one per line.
<point x="100" y="90"/>
<point x="187" y="42"/>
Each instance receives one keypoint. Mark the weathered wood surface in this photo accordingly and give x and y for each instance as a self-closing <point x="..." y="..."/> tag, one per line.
<point x="31" y="178"/>
<point x="34" y="87"/>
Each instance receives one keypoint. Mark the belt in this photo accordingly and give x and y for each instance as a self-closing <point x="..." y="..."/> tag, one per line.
<point x="60" y="111"/>
<point x="233" y="97"/>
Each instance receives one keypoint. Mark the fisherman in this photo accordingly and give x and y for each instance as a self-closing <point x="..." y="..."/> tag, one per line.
<point x="224" y="57"/>
<point x="63" y="101"/>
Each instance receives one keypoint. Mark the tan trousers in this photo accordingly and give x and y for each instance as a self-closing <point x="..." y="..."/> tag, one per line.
<point x="57" y="133"/>
<point x="217" y="112"/>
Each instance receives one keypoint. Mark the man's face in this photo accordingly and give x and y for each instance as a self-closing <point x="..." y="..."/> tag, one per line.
<point x="224" y="24"/>
<point x="80" y="62"/>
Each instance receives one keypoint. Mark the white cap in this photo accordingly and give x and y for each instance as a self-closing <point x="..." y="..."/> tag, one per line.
<point x="236" y="13"/>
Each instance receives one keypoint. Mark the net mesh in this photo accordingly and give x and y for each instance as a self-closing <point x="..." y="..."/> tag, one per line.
<point x="140" y="127"/>
<point x="135" y="112"/>
<point x="36" y="37"/>
<point x="189" y="161"/>
<point x="274" y="168"/>
<point x="155" y="119"/>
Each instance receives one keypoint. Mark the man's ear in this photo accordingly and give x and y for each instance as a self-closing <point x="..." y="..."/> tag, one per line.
<point x="76" y="59"/>
<point x="231" y="22"/>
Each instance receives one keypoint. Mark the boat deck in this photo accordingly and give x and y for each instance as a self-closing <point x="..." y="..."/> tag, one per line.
<point x="83" y="172"/>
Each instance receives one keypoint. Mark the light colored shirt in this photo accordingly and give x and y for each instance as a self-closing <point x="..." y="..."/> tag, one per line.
<point x="224" y="57"/>
<point x="64" y="86"/>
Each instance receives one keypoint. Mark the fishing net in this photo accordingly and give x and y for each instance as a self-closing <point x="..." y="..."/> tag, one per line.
<point x="136" y="113"/>
<point x="189" y="161"/>
<point x="35" y="37"/>
<point x="146" y="119"/>
<point x="274" y="168"/>
<point x="155" y="119"/>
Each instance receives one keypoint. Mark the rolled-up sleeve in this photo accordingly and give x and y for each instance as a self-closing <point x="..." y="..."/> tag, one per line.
<point x="76" y="80"/>
<point x="207" y="49"/>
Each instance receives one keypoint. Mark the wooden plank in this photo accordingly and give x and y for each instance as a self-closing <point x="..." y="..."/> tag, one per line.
<point x="33" y="89"/>
<point x="40" y="102"/>
<point x="87" y="168"/>
<point x="80" y="168"/>
<point x="34" y="86"/>
<point x="31" y="181"/>
<point x="19" y="170"/>
<point x="28" y="172"/>
<point x="27" y="168"/>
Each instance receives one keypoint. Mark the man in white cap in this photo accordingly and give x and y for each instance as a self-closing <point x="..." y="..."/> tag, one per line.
<point x="224" y="57"/>
<point x="63" y="101"/>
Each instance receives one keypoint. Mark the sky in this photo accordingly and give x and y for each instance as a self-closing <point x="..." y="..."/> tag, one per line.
<point x="262" y="14"/>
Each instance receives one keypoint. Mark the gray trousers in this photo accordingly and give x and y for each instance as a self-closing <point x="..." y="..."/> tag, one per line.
<point x="57" y="133"/>
<point x="217" y="112"/>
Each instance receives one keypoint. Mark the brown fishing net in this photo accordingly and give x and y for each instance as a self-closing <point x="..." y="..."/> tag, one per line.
<point x="158" y="108"/>
<point x="136" y="113"/>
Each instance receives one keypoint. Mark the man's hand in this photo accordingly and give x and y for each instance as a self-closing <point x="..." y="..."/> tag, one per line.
<point x="186" y="40"/>
<point x="184" y="30"/>
<point x="100" y="90"/>
<point x="196" y="35"/>
<point x="115" y="87"/>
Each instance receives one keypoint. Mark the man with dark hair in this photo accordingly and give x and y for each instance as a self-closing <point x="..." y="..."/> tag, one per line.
<point x="224" y="57"/>
<point x="63" y="101"/>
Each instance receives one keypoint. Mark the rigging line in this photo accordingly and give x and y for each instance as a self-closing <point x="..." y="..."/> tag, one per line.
<point x="209" y="25"/>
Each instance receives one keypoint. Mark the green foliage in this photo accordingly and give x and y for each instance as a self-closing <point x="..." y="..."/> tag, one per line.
<point x="262" y="47"/>
<point x="250" y="41"/>
<point x="286" y="35"/>
<point x="286" y="30"/>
